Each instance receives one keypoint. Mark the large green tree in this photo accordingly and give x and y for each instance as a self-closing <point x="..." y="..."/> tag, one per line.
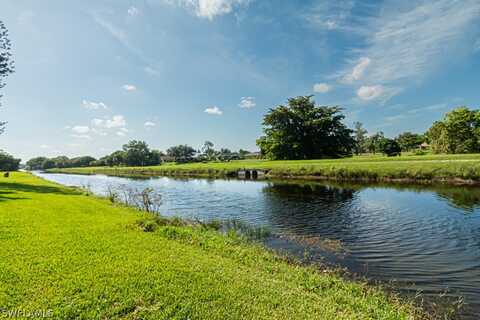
<point x="458" y="132"/>
<point x="302" y="130"/>
<point x="6" y="61"/>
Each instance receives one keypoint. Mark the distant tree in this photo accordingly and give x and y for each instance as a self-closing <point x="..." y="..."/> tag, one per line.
<point x="208" y="152"/>
<point x="61" y="162"/>
<point x="437" y="137"/>
<point x="35" y="163"/>
<point x="48" y="164"/>
<point x="137" y="153"/>
<point x="226" y="155"/>
<point x="181" y="153"/>
<point x="372" y="143"/>
<point x="409" y="141"/>
<point x="117" y="158"/>
<point x="390" y="147"/>
<point x="156" y="157"/>
<point x="6" y="61"/>
<point x="84" y="161"/>
<point x="458" y="132"/>
<point x="302" y="130"/>
<point x="8" y="163"/>
<point x="360" y="135"/>
<point x="243" y="153"/>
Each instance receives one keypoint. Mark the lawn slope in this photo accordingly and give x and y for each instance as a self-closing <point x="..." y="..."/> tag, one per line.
<point x="431" y="168"/>
<point x="84" y="258"/>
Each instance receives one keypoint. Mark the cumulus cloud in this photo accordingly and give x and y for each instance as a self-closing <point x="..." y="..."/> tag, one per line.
<point x="370" y="92"/>
<point x="133" y="11"/>
<point x="117" y="121"/>
<point x="129" y="87"/>
<point x="214" y="110"/>
<point x="247" y="102"/>
<point x="90" y="105"/>
<point x="149" y="124"/>
<point x="321" y="87"/>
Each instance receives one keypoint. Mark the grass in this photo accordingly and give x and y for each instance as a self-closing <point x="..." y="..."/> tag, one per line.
<point x="83" y="257"/>
<point x="463" y="168"/>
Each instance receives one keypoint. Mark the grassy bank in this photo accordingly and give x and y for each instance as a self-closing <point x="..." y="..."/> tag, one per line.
<point x="83" y="257"/>
<point x="431" y="168"/>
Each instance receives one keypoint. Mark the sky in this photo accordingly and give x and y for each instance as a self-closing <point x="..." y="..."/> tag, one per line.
<point x="93" y="74"/>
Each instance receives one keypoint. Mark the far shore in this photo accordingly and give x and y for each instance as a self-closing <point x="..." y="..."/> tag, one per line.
<point x="429" y="169"/>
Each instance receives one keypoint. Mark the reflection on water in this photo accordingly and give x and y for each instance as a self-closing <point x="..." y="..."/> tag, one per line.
<point x="421" y="235"/>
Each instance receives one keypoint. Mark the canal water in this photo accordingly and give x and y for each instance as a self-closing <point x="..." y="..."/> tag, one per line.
<point x="421" y="238"/>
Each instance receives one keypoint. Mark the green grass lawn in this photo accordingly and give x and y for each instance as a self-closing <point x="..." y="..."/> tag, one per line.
<point x="445" y="168"/>
<point x="85" y="258"/>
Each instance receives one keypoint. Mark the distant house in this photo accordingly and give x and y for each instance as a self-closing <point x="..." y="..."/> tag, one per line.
<point x="424" y="146"/>
<point x="253" y="155"/>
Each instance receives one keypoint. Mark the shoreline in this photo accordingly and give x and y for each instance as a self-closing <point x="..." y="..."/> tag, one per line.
<point x="98" y="231"/>
<point x="142" y="173"/>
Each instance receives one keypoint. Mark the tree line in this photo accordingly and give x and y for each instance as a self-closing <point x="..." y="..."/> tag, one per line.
<point x="303" y="130"/>
<point x="138" y="153"/>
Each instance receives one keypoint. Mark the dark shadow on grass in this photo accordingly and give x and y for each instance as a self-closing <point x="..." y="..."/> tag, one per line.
<point x="8" y="190"/>
<point x="8" y="195"/>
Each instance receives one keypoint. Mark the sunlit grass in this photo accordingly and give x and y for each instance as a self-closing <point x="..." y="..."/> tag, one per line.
<point x="86" y="258"/>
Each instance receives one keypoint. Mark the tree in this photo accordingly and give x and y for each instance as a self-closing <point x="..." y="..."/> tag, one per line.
<point x="6" y="61"/>
<point x="8" y="163"/>
<point x="48" y="164"/>
<point x="35" y="163"/>
<point x="360" y="137"/>
<point x="181" y="153"/>
<point x="84" y="161"/>
<point x="372" y="143"/>
<point x="437" y="136"/>
<point x="409" y="141"/>
<point x="302" y="130"/>
<point x="458" y="132"/>
<point x="137" y="153"/>
<point x="61" y="162"/>
<point x="208" y="151"/>
<point x="117" y="158"/>
<point x="390" y="147"/>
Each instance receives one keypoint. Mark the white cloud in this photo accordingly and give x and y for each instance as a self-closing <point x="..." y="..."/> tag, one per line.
<point x="210" y="8"/>
<point x="149" y="124"/>
<point x="81" y="129"/>
<point x="214" y="110"/>
<point x="122" y="132"/>
<point x="151" y="71"/>
<point x="247" y="102"/>
<point x="321" y="87"/>
<point x="133" y="11"/>
<point x="129" y="87"/>
<point x="358" y="70"/>
<point x="370" y="92"/>
<point x="45" y="146"/>
<point x="117" y="121"/>
<point x="90" y="105"/>
<point x="81" y="136"/>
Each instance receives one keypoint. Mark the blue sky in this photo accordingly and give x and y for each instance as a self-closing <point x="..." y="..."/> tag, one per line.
<point x="91" y="75"/>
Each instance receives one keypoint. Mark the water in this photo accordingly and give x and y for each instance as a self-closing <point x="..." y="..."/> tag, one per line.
<point x="424" y="238"/>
